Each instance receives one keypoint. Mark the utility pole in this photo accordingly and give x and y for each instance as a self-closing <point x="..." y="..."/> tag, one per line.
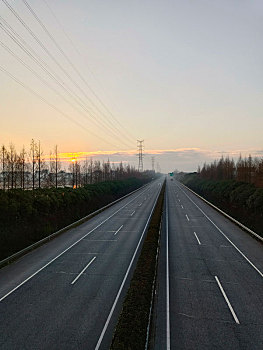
<point x="140" y="147"/>
<point x="153" y="164"/>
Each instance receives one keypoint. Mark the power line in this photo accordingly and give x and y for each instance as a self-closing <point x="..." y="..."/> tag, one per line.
<point x="35" y="73"/>
<point x="78" y="52"/>
<point x="70" y="63"/>
<point x="81" y="102"/>
<point x="43" y="66"/>
<point x="33" y="92"/>
<point x="39" y="77"/>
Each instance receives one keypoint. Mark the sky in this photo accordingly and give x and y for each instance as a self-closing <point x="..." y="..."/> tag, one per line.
<point x="184" y="76"/>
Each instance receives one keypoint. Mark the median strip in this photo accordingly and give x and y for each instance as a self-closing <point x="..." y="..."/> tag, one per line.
<point x="132" y="330"/>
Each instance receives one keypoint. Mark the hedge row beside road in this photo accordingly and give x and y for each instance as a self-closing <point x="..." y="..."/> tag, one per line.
<point x="27" y="216"/>
<point x="241" y="200"/>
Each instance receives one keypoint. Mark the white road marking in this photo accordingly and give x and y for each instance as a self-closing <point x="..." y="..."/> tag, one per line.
<point x="82" y="271"/>
<point x="187" y="217"/>
<point x="197" y="238"/>
<point x="182" y="206"/>
<point x="227" y="301"/>
<point x="139" y="204"/>
<point x="64" y="251"/>
<point x="168" y="341"/>
<point x="124" y="279"/>
<point x="100" y="240"/>
<point x="229" y="240"/>
<point x="179" y="200"/>
<point x="118" y="230"/>
<point x="132" y="213"/>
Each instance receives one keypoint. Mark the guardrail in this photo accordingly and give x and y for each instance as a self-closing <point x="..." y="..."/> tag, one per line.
<point x="22" y="252"/>
<point x="245" y="228"/>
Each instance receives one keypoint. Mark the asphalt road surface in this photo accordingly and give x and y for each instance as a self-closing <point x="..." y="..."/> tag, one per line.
<point x="68" y="293"/>
<point x="210" y="284"/>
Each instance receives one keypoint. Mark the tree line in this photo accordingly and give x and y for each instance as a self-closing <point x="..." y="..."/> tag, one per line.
<point x="29" y="169"/>
<point x="234" y="186"/>
<point x="248" y="169"/>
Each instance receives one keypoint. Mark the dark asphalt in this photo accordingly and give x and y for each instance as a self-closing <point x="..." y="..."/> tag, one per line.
<point x="200" y="317"/>
<point x="48" y="311"/>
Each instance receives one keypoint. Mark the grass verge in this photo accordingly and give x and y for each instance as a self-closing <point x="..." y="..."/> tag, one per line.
<point x="131" y="330"/>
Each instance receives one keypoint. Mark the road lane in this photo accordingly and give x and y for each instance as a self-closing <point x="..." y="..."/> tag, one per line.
<point x="48" y="311"/>
<point x="216" y="298"/>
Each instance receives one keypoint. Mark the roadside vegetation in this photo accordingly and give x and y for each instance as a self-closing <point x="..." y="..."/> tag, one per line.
<point x="131" y="330"/>
<point x="236" y="188"/>
<point x="30" y="169"/>
<point x="28" y="216"/>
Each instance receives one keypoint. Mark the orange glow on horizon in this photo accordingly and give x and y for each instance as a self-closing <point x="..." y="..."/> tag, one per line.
<point x="79" y="156"/>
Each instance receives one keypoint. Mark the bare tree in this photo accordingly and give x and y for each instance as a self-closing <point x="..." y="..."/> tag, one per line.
<point x="40" y="162"/>
<point x="33" y="161"/>
<point x="91" y="171"/>
<point x="4" y="165"/>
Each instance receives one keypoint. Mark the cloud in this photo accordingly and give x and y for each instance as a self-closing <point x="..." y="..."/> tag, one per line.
<point x="185" y="159"/>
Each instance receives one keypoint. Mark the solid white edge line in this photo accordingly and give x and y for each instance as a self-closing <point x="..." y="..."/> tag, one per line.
<point x="197" y="238"/>
<point x="229" y="240"/>
<point x="118" y="230"/>
<point x="124" y="279"/>
<point x="187" y="217"/>
<point x="227" y="301"/>
<point x="168" y="340"/>
<point x="64" y="251"/>
<point x="82" y="271"/>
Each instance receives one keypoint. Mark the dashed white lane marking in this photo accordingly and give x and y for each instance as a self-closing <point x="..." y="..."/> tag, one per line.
<point x="132" y="213"/>
<point x="227" y="301"/>
<point x="67" y="249"/>
<point x="100" y="240"/>
<point x="197" y="238"/>
<point x="125" y="278"/>
<point x="187" y="217"/>
<point x="82" y="271"/>
<point x="229" y="240"/>
<point x="182" y="206"/>
<point x="118" y="230"/>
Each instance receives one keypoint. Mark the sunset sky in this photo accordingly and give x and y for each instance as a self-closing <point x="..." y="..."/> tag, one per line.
<point x="185" y="76"/>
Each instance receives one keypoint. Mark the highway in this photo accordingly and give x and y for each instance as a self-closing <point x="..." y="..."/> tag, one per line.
<point x="67" y="294"/>
<point x="210" y="279"/>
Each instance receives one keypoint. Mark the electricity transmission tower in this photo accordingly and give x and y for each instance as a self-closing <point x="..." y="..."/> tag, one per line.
<point x="153" y="164"/>
<point x="140" y="147"/>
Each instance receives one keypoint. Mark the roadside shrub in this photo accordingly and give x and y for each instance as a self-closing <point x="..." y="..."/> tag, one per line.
<point x="241" y="200"/>
<point x="28" y="216"/>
